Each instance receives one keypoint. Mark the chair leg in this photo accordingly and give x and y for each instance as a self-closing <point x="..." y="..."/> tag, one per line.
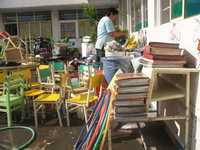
<point x="85" y="115"/>
<point x="59" y="116"/>
<point x="9" y="117"/>
<point x="35" y="114"/>
<point x="23" y="112"/>
<point x="29" y="100"/>
<point x="67" y="113"/>
<point x="43" y="112"/>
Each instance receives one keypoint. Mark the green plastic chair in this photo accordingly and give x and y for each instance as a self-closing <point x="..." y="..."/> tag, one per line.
<point x="46" y="74"/>
<point x="58" y="66"/>
<point x="12" y="97"/>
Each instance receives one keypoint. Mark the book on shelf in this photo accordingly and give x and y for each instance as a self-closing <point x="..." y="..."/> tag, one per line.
<point x="130" y="109"/>
<point x="163" y="65"/>
<point x="127" y="76"/>
<point x="163" y="45"/>
<point x="163" y="62"/>
<point x="135" y="102"/>
<point x="148" y="55"/>
<point x="133" y="82"/>
<point x="131" y="96"/>
<point x="131" y="115"/>
<point x="166" y="51"/>
<point x="131" y="89"/>
<point x="130" y="118"/>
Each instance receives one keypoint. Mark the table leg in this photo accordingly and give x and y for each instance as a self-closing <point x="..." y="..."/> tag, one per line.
<point x="187" y="113"/>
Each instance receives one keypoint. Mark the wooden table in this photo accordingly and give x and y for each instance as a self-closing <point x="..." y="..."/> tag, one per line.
<point x="18" y="67"/>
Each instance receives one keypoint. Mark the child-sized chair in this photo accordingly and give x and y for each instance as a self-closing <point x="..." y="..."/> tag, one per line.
<point x="85" y="99"/>
<point x="12" y="97"/>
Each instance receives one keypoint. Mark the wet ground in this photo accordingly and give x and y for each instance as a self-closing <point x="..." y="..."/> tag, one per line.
<point x="52" y="137"/>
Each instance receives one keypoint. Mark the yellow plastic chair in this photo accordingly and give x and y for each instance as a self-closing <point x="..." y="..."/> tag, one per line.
<point x="33" y="88"/>
<point x="86" y="99"/>
<point x="52" y="97"/>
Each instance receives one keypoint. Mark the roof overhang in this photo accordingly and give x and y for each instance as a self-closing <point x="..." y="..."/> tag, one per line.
<point x="21" y="5"/>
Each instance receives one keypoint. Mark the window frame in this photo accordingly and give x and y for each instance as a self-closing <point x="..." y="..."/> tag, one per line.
<point x="172" y="20"/>
<point x="76" y="27"/>
<point x="142" y="15"/>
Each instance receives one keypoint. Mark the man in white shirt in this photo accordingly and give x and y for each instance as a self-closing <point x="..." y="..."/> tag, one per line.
<point x="106" y="32"/>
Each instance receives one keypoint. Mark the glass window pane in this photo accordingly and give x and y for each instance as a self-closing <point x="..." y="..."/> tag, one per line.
<point x="46" y="29"/>
<point x="67" y="15"/>
<point x="9" y="17"/>
<point x="138" y="21"/>
<point x="26" y="16"/>
<point x="165" y="11"/>
<point x="145" y="13"/>
<point x="35" y="29"/>
<point x="24" y="30"/>
<point x="85" y="28"/>
<point x="68" y="29"/>
<point x="81" y="14"/>
<point x="42" y="16"/>
<point x="192" y="7"/>
<point x="11" y="29"/>
<point x="176" y="8"/>
<point x="124" y="14"/>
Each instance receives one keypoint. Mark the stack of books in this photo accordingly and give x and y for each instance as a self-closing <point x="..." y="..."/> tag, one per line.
<point x="163" y="55"/>
<point x="131" y="93"/>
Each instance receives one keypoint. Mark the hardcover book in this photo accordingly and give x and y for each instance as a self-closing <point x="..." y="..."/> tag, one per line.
<point x="136" y="102"/>
<point x="127" y="76"/>
<point x="148" y="55"/>
<point x="163" y="45"/>
<point x="131" y="115"/>
<point x="133" y="89"/>
<point x="130" y="109"/>
<point x="131" y="82"/>
<point x="163" y="62"/>
<point x="131" y="96"/>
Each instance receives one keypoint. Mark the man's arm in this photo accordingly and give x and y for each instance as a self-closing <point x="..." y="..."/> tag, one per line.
<point x="116" y="34"/>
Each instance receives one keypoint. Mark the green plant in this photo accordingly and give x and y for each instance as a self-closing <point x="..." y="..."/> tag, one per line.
<point x="66" y="39"/>
<point x="91" y="13"/>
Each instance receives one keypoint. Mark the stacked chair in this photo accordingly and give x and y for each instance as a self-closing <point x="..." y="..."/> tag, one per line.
<point x="59" y="67"/>
<point x="17" y="89"/>
<point x="12" y="97"/>
<point x="84" y="99"/>
<point x="53" y="94"/>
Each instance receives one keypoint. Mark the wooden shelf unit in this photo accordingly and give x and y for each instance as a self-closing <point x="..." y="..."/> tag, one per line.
<point x="171" y="90"/>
